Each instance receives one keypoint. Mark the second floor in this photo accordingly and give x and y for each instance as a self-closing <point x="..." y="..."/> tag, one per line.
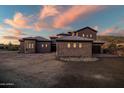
<point x="86" y="32"/>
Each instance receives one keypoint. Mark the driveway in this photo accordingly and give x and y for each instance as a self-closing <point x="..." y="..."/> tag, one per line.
<point x="43" y="71"/>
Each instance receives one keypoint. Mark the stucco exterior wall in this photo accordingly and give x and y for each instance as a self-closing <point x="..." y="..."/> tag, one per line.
<point x="29" y="50"/>
<point x="43" y="47"/>
<point x="21" y="47"/>
<point x="64" y="51"/>
<point x="85" y="32"/>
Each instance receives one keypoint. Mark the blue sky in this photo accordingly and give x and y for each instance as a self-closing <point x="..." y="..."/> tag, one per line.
<point x="32" y="20"/>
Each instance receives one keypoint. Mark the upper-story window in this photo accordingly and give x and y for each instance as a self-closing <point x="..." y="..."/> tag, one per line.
<point x="91" y="35"/>
<point x="29" y="45"/>
<point x="80" y="45"/>
<point x="68" y="45"/>
<point x="32" y="45"/>
<point x="74" y="45"/>
<point x="77" y="34"/>
<point x="46" y="45"/>
<point x="83" y="35"/>
<point x="42" y="45"/>
<point x="73" y="34"/>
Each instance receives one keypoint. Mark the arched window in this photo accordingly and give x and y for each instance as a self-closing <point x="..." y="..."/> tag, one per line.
<point x="46" y="45"/>
<point x="74" y="45"/>
<point x="77" y="34"/>
<point x="83" y="35"/>
<point x="90" y="35"/>
<point x="80" y="45"/>
<point x="68" y="45"/>
<point x="87" y="35"/>
<point x="42" y="45"/>
<point x="32" y="45"/>
<point x="73" y="34"/>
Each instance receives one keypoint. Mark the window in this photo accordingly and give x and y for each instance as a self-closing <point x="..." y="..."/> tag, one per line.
<point x="90" y="35"/>
<point x="87" y="35"/>
<point x="68" y="45"/>
<point x="42" y="45"/>
<point x="46" y="45"/>
<point x="29" y="45"/>
<point x="80" y="45"/>
<point x="74" y="45"/>
<point x="77" y="34"/>
<point x="32" y="45"/>
<point x="73" y="34"/>
<point x="83" y="35"/>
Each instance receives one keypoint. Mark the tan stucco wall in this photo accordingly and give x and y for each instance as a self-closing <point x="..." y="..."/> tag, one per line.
<point x="27" y="50"/>
<point x="63" y="50"/>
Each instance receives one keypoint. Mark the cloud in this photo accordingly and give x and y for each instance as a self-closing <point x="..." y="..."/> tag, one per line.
<point x="115" y="31"/>
<point x="96" y="27"/>
<point x="61" y="17"/>
<point x="74" y="13"/>
<point x="1" y="27"/>
<point x="10" y="37"/>
<point x="18" y="21"/>
<point x="106" y="32"/>
<point x="15" y="32"/>
<point x="48" y="10"/>
<point x="38" y="26"/>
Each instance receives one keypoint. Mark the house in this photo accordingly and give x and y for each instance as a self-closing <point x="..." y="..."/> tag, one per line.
<point x="53" y="40"/>
<point x="35" y="45"/>
<point x="74" y="46"/>
<point x="88" y="33"/>
<point x="82" y="42"/>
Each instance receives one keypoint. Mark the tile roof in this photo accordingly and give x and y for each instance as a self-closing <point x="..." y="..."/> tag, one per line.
<point x="73" y="38"/>
<point x="63" y="34"/>
<point x="38" y="38"/>
<point x="101" y="42"/>
<point x="86" y="28"/>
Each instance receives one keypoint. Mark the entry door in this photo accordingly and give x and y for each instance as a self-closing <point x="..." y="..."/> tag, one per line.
<point x="96" y="49"/>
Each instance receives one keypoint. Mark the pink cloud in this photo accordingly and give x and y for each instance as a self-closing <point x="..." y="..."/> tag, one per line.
<point x="38" y="26"/>
<point x="106" y="32"/>
<point x="10" y="37"/>
<point x="48" y="10"/>
<point x="114" y="31"/>
<point x="74" y="13"/>
<point x="18" y="21"/>
<point x="15" y="32"/>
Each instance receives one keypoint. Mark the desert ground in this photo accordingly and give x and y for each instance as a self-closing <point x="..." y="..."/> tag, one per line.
<point x="44" y="71"/>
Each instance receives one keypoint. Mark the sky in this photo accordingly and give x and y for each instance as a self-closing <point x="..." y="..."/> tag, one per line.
<point x="18" y="21"/>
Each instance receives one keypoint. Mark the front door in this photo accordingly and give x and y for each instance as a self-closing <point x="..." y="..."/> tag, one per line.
<point x="96" y="49"/>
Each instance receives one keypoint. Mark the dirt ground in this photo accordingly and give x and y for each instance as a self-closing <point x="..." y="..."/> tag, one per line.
<point x="44" y="71"/>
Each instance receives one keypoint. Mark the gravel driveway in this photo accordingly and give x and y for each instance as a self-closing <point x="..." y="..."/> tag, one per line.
<point x="43" y="70"/>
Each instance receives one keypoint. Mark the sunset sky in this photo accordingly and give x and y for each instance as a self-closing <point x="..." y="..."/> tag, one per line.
<point x="21" y="21"/>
